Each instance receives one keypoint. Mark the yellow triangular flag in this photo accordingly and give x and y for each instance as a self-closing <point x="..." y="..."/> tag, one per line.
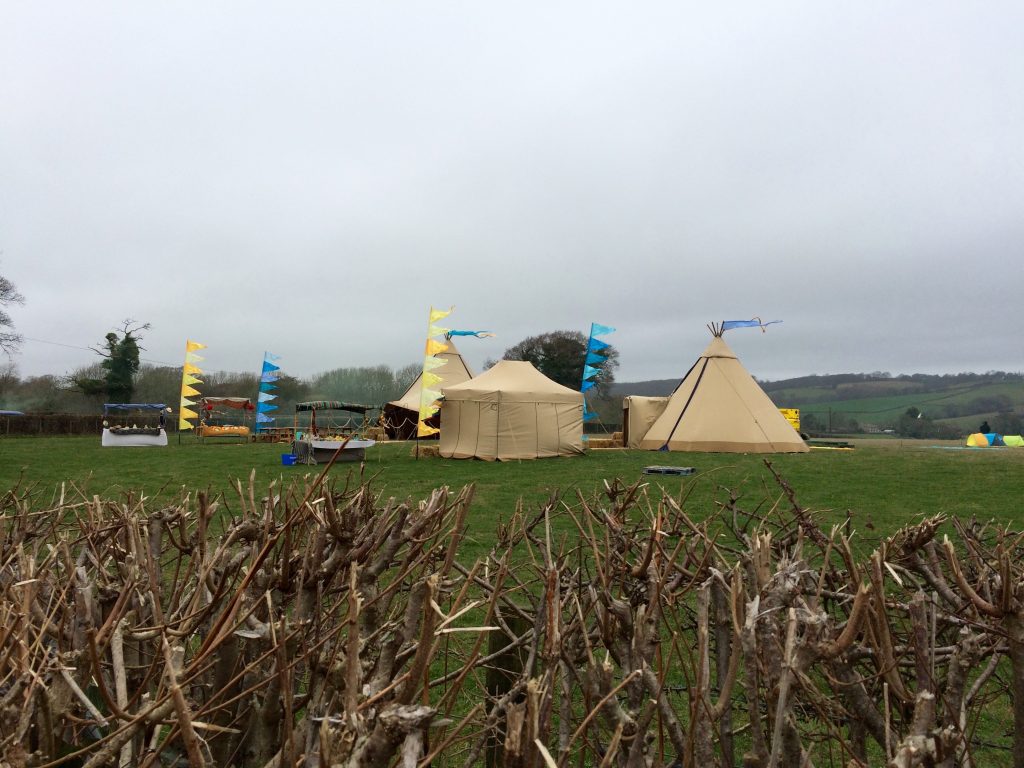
<point x="430" y="379"/>
<point x="189" y="368"/>
<point x="188" y="413"/>
<point x="436" y="330"/>
<point x="435" y="347"/>
<point x="187" y="391"/>
<point x="430" y="363"/>
<point x="428" y="395"/>
<point x="182" y="424"/>
<point x="422" y="430"/>
<point x="185" y="401"/>
<point x="192" y="346"/>
<point x="189" y="379"/>
<point x="437" y="314"/>
<point x="192" y="357"/>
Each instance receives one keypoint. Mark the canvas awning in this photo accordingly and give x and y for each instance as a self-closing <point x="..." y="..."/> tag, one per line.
<point x="133" y="407"/>
<point x="243" y="403"/>
<point x="333" y="405"/>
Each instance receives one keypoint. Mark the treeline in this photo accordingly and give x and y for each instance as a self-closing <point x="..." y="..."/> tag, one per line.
<point x="373" y="385"/>
<point x="916" y="381"/>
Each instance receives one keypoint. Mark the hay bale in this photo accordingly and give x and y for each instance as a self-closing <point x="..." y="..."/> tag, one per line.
<point x="603" y="442"/>
<point x="617" y="438"/>
<point x="376" y="433"/>
<point x="426" y="450"/>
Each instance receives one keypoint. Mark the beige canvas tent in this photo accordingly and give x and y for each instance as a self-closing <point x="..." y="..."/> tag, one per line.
<point x="399" y="417"/>
<point x="719" y="407"/>
<point x="638" y="414"/>
<point x="511" y="411"/>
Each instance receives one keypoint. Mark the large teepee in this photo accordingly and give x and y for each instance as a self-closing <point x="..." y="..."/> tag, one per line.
<point x="400" y="416"/>
<point x="719" y="407"/>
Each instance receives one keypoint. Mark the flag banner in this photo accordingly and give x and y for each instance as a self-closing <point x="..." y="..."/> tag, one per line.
<point x="429" y="395"/>
<point x="478" y="334"/>
<point x="754" y="323"/>
<point x="592" y="364"/>
<point x="437" y="314"/>
<point x="435" y="347"/>
<point x="268" y="375"/>
<point x="189" y="377"/>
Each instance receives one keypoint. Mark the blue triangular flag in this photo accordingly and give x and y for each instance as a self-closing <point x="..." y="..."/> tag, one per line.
<point x="587" y="385"/>
<point x="271" y="357"/>
<point x="597" y="345"/>
<point x="600" y="330"/>
<point x="268" y="378"/>
<point x="590" y="371"/>
<point x="268" y="367"/>
<point x="261" y="419"/>
<point x="595" y="359"/>
<point x="265" y="397"/>
<point x="589" y="416"/>
<point x="264" y="407"/>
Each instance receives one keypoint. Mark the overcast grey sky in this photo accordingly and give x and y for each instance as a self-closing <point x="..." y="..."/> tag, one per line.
<point x="309" y="178"/>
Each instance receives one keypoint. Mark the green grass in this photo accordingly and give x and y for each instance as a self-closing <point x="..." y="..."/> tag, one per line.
<point x="888" y="408"/>
<point x="886" y="484"/>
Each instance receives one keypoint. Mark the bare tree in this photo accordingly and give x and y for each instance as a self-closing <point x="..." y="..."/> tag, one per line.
<point x="9" y="340"/>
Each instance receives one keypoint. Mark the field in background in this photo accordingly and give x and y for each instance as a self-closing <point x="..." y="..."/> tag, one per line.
<point x="885" y="483"/>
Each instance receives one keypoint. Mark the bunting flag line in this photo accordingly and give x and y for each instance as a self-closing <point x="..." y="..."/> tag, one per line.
<point x="592" y="364"/>
<point x="264" y="404"/>
<point x="429" y="396"/>
<point x="754" y="323"/>
<point x="189" y="377"/>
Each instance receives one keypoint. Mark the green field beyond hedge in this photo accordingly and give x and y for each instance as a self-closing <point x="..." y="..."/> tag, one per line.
<point x="886" y="484"/>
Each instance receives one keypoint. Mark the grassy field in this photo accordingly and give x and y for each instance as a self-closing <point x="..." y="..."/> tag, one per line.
<point x="885" y="483"/>
<point x="887" y="408"/>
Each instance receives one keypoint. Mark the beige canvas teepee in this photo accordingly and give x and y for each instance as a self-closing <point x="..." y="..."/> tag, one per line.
<point x="400" y="416"/>
<point x="512" y="411"/>
<point x="719" y="407"/>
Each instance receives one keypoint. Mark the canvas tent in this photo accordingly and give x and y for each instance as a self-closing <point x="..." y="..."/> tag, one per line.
<point x="985" y="440"/>
<point x="638" y="414"/>
<point x="511" y="411"/>
<point x="718" y="407"/>
<point x="399" y="417"/>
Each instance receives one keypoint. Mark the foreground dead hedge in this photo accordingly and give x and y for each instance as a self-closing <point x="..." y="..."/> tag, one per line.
<point x="326" y="626"/>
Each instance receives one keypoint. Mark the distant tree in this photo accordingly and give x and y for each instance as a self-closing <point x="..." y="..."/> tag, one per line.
<point x="120" y="366"/>
<point x="1008" y="423"/>
<point x="9" y="295"/>
<point x="560" y="356"/>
